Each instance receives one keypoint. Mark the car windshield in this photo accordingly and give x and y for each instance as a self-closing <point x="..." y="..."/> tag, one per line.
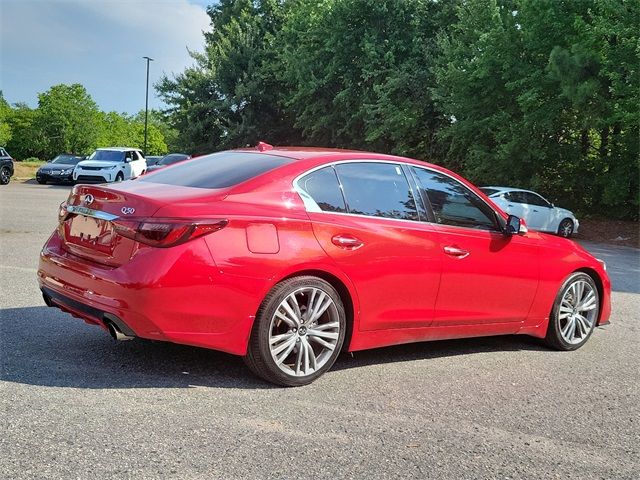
<point x="66" y="160"/>
<point x="107" y="156"/>
<point x="172" y="158"/>
<point x="489" y="191"/>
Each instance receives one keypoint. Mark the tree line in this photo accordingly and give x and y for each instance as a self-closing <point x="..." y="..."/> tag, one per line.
<point x="541" y="94"/>
<point x="67" y="120"/>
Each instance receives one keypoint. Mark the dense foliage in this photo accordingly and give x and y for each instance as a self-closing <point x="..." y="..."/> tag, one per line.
<point x="531" y="93"/>
<point x="67" y="120"/>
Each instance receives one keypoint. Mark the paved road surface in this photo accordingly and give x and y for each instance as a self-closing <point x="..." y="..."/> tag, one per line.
<point x="76" y="404"/>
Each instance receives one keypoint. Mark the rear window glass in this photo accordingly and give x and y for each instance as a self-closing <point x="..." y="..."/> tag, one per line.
<point x="219" y="170"/>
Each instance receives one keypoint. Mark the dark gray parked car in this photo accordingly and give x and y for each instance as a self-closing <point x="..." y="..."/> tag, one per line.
<point x="6" y="167"/>
<point x="58" y="170"/>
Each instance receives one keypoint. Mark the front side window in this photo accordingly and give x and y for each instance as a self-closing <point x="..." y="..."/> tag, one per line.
<point x="377" y="190"/>
<point x="533" y="199"/>
<point x="453" y="203"/>
<point x="323" y="187"/>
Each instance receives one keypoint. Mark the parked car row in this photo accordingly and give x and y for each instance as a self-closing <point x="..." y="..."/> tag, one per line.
<point x="104" y="165"/>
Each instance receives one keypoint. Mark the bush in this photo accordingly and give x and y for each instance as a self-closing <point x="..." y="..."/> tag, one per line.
<point x="32" y="160"/>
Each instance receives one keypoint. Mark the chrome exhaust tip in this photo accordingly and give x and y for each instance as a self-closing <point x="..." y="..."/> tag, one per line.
<point x="116" y="333"/>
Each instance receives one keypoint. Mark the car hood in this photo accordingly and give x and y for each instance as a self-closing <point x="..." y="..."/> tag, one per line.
<point x="56" y="166"/>
<point x="98" y="163"/>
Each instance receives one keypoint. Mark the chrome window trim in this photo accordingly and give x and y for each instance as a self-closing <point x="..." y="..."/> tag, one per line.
<point x="311" y="203"/>
<point x="90" y="212"/>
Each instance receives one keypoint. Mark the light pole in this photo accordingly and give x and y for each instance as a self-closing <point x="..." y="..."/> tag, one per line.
<point x="146" y="106"/>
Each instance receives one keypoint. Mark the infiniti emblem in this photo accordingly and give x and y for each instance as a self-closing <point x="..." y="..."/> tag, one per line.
<point x="88" y="199"/>
<point x="128" y="210"/>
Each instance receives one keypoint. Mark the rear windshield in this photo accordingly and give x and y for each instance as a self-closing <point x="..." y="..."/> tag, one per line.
<point x="219" y="170"/>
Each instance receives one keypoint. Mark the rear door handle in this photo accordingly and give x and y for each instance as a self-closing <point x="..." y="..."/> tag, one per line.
<point x="455" y="251"/>
<point x="348" y="242"/>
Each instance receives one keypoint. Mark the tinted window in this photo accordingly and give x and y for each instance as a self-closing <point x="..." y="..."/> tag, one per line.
<point x="172" y="158"/>
<point x="489" y="191"/>
<point x="218" y="170"/>
<point x="533" y="199"/>
<point x="377" y="189"/>
<point x="323" y="187"/>
<point x="453" y="203"/>
<point x="516" y="197"/>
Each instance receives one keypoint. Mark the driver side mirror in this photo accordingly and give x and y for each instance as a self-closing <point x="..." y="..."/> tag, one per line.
<point x="515" y="226"/>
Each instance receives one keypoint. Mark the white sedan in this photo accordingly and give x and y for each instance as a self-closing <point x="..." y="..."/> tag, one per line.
<point x="112" y="164"/>
<point x="539" y="213"/>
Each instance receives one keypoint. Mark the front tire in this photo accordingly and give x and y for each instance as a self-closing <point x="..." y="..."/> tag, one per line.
<point x="574" y="314"/>
<point x="119" y="177"/>
<point x="298" y="332"/>
<point x="565" y="229"/>
<point x="41" y="181"/>
<point x="5" y="175"/>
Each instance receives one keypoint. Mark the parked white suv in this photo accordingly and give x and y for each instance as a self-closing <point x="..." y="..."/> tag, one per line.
<point x="112" y="164"/>
<point x="537" y="211"/>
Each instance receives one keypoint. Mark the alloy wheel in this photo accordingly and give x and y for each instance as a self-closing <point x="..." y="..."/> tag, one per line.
<point x="578" y="312"/>
<point x="304" y="331"/>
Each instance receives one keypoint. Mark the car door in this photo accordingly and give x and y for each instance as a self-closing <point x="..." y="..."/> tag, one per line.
<point x="366" y="219"/>
<point x="541" y="211"/>
<point x="138" y="164"/>
<point x="487" y="277"/>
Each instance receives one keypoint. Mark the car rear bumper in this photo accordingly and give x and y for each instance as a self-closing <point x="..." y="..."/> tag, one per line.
<point x="176" y="296"/>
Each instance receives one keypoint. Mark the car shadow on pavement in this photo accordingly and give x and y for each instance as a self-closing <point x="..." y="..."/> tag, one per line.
<point x="45" y="347"/>
<point x="33" y="181"/>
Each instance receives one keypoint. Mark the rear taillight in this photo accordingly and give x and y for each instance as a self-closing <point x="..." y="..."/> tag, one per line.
<point x="166" y="232"/>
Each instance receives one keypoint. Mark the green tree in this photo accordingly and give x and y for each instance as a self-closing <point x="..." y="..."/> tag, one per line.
<point x="231" y="97"/>
<point x="359" y="72"/>
<point x="24" y="142"/>
<point x="529" y="90"/>
<point x="67" y="120"/>
<point x="121" y="130"/>
<point x="5" y="127"/>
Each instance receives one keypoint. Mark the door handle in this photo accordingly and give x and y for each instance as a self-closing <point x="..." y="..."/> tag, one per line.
<point x="348" y="242"/>
<point x="455" y="251"/>
<point x="509" y="205"/>
<point x="535" y="210"/>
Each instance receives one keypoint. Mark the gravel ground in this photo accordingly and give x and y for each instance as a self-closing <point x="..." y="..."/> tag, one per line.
<point x="75" y="404"/>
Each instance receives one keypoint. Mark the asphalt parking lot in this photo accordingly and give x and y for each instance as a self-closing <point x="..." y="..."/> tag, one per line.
<point x="76" y="404"/>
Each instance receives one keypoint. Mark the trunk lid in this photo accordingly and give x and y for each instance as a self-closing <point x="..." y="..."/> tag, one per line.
<point x="88" y="228"/>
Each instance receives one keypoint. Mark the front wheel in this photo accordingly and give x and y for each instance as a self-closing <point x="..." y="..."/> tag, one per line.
<point x="5" y="175"/>
<point x="565" y="229"/>
<point x="298" y="332"/>
<point x="119" y="177"/>
<point x="574" y="314"/>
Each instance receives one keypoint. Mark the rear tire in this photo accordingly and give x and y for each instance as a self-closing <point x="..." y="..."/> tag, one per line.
<point x="298" y="332"/>
<point x="5" y="175"/>
<point x="565" y="229"/>
<point x="574" y="313"/>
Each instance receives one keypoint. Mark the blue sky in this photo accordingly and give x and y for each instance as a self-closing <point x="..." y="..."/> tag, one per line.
<point x="98" y="43"/>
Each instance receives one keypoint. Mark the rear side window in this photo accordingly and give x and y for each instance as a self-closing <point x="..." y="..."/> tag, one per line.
<point x="323" y="187"/>
<point x="453" y="203"/>
<point x="219" y="170"/>
<point x="377" y="190"/>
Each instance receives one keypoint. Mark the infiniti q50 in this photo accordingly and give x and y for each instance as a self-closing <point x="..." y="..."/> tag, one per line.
<point x="288" y="256"/>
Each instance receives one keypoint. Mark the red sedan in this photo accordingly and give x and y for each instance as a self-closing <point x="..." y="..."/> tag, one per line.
<point x="288" y="256"/>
